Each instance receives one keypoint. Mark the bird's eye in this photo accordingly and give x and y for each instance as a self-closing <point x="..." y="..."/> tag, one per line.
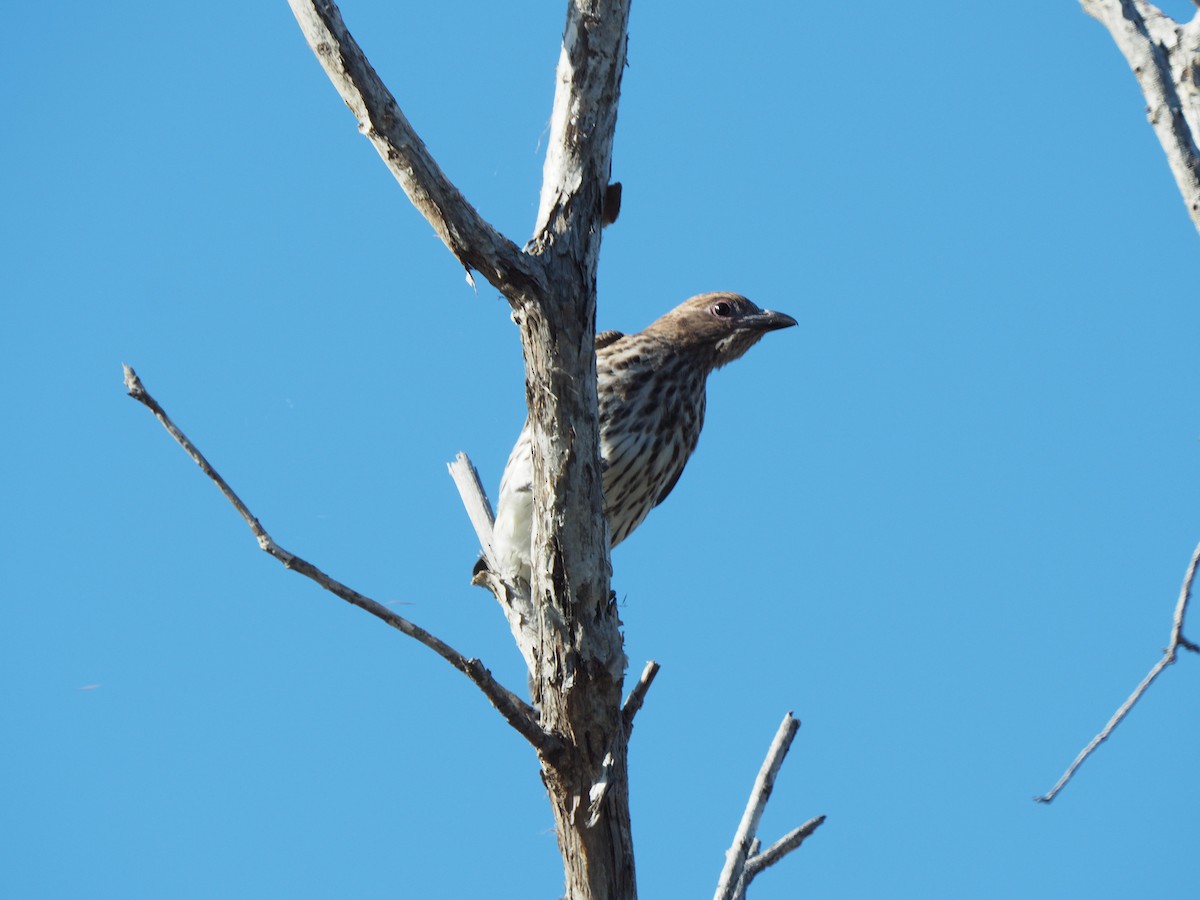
<point x="722" y="310"/>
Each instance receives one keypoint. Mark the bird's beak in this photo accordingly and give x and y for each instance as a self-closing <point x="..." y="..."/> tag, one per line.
<point x="768" y="320"/>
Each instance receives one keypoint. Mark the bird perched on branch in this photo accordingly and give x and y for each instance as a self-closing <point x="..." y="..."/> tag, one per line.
<point x="651" y="396"/>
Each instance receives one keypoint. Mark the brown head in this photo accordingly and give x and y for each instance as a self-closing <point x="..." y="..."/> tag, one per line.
<point x="717" y="327"/>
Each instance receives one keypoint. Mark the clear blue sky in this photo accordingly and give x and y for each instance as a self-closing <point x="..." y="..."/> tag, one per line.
<point x="944" y="520"/>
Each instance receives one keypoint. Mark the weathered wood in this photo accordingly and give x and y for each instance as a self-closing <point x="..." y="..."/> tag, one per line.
<point x="564" y="618"/>
<point x="738" y="872"/>
<point x="1165" y="58"/>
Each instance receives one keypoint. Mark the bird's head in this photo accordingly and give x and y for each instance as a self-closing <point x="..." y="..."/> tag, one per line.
<point x="719" y="327"/>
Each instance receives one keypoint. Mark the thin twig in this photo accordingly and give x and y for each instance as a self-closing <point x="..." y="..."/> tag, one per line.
<point x="733" y="878"/>
<point x="1181" y="605"/>
<point x="781" y="848"/>
<point x="515" y="711"/>
<point x="638" y="695"/>
<point x="1177" y="640"/>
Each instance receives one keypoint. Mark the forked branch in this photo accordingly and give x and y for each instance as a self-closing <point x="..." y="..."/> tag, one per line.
<point x="516" y="712"/>
<point x="1177" y="640"/>
<point x="743" y="861"/>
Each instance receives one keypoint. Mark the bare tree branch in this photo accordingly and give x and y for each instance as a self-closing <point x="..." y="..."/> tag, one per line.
<point x="474" y="498"/>
<point x="638" y="695"/>
<point x="781" y="848"/>
<point x="1165" y="57"/>
<point x="737" y="875"/>
<point x="475" y="243"/>
<point x="515" y="711"/>
<point x="583" y="121"/>
<point x="515" y="601"/>
<point x="1177" y="640"/>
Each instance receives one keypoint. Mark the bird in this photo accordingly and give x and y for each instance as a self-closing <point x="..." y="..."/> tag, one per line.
<point x="651" y="402"/>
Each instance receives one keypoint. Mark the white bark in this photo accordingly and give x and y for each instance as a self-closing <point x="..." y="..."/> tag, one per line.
<point x="743" y="860"/>
<point x="1165" y="58"/>
<point x="514" y="600"/>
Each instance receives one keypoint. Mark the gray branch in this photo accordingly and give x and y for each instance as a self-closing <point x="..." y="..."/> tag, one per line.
<point x="1176" y="641"/>
<point x="742" y="859"/>
<point x="638" y="695"/>
<point x="474" y="498"/>
<point x="474" y="242"/>
<point x="781" y="848"/>
<point x="516" y="712"/>
<point x="584" y="118"/>
<point x="1165" y="58"/>
<point x="515" y="601"/>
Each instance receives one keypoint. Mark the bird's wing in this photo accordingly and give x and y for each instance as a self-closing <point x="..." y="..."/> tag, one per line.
<point x="604" y="338"/>
<point x="670" y="487"/>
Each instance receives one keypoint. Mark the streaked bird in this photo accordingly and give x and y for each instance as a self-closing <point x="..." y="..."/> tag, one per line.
<point x="651" y="392"/>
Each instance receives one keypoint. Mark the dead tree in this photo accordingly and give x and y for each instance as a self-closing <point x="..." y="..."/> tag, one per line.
<point x="564" y="620"/>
